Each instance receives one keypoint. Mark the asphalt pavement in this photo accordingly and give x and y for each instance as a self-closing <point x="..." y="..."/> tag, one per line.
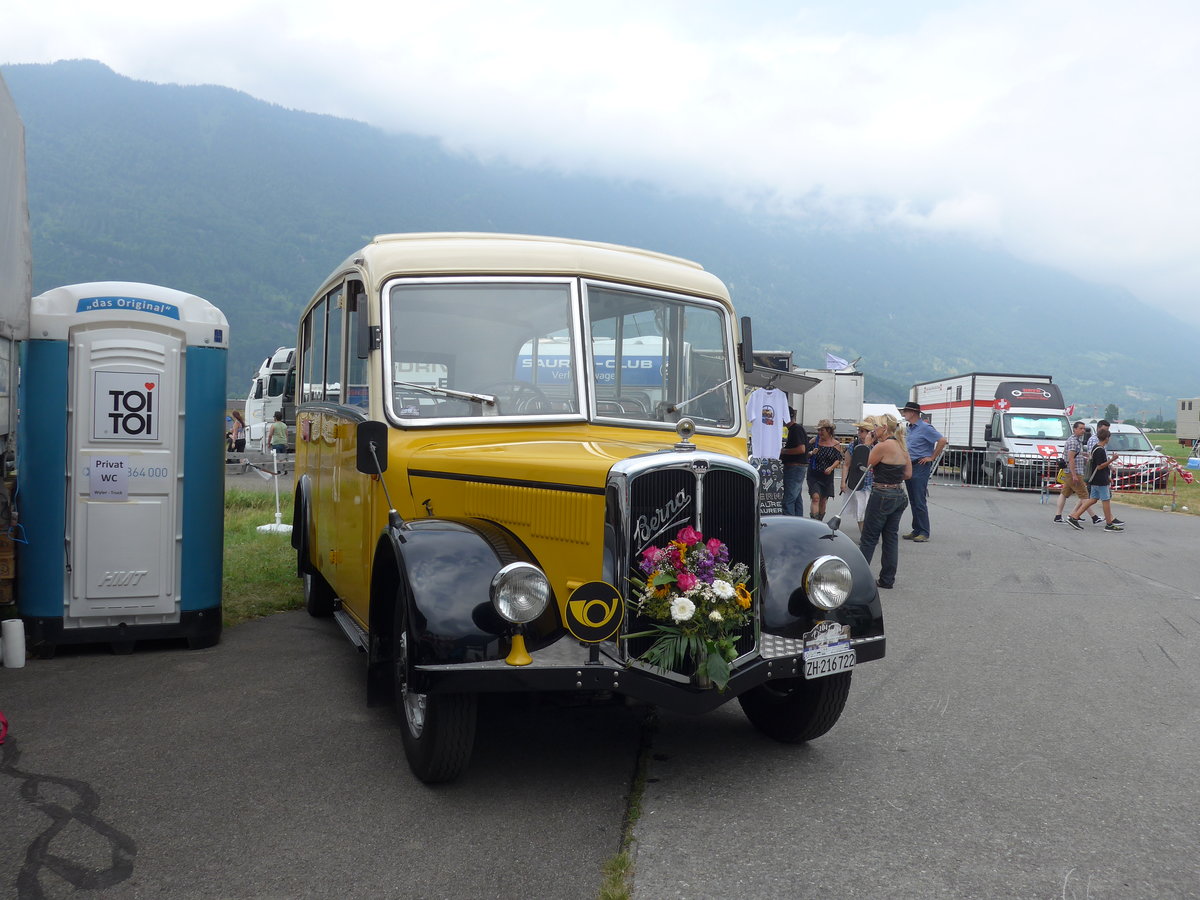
<point x="1032" y="733"/>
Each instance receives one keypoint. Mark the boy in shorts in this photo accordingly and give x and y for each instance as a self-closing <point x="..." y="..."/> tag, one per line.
<point x="1098" y="485"/>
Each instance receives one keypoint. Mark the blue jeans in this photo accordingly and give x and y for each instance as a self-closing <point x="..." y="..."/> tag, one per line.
<point x="793" y="490"/>
<point x="884" y="509"/>
<point x="918" y="496"/>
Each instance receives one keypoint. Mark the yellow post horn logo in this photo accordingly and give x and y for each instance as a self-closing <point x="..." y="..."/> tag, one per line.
<point x="595" y="612"/>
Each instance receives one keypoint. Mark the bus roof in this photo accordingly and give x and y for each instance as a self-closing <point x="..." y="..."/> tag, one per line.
<point x="475" y="253"/>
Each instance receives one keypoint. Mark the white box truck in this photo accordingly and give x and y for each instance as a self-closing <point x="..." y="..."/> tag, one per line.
<point x="1003" y="429"/>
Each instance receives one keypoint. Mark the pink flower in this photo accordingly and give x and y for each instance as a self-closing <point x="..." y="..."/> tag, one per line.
<point x="689" y="535"/>
<point x="714" y="547"/>
<point x="686" y="581"/>
<point x="650" y="554"/>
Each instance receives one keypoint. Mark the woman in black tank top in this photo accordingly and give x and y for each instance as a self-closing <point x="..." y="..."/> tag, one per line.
<point x="892" y="467"/>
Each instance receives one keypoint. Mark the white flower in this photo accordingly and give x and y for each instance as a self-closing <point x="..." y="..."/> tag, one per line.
<point x="723" y="589"/>
<point x="682" y="609"/>
<point x="715" y="616"/>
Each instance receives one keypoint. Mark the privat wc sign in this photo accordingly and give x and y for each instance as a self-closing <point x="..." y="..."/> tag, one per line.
<point x="123" y="406"/>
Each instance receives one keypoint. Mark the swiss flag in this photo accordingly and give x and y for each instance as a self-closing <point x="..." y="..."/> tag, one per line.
<point x="1071" y="410"/>
<point x="1001" y="404"/>
<point x="1048" y="450"/>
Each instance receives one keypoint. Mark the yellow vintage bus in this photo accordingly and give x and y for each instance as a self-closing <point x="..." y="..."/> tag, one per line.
<point x="521" y="465"/>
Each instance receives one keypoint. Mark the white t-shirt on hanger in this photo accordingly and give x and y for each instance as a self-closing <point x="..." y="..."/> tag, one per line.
<point x="766" y="411"/>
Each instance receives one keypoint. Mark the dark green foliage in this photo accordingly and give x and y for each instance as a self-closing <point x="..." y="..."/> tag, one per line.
<point x="250" y="206"/>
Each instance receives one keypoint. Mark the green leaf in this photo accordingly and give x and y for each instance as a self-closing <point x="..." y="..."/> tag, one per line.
<point x="718" y="669"/>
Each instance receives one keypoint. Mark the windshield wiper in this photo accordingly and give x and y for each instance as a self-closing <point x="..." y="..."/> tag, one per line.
<point x="682" y="403"/>
<point x="486" y="399"/>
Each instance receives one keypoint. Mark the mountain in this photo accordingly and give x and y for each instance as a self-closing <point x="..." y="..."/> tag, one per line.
<point x="251" y="205"/>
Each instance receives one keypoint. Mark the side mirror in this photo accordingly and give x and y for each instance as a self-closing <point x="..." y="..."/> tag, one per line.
<point x="372" y="448"/>
<point x="987" y="432"/>
<point x="747" y="346"/>
<point x="1158" y="448"/>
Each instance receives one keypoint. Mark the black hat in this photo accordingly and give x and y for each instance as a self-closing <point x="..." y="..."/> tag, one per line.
<point x="911" y="406"/>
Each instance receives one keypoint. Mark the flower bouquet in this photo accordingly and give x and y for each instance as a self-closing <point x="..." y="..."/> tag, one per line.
<point x="701" y="601"/>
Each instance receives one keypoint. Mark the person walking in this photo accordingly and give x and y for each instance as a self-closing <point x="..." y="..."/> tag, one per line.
<point x="237" y="433"/>
<point x="925" y="444"/>
<point x="1073" y="484"/>
<point x="795" y="466"/>
<point x="891" y="465"/>
<point x="277" y="434"/>
<point x="856" y="474"/>
<point x="824" y="459"/>
<point x="1089" y="449"/>
<point x="1098" y="485"/>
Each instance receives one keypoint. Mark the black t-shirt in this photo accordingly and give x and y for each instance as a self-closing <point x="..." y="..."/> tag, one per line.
<point x="860" y="454"/>
<point x="1100" y="476"/>
<point x="796" y="435"/>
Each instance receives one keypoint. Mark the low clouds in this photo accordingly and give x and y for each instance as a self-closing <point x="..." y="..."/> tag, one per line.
<point x="1066" y="131"/>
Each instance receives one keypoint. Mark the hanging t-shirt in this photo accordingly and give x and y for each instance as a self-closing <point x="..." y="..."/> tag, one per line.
<point x="766" y="411"/>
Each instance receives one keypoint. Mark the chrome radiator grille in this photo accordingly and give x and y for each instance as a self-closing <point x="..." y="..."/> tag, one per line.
<point x="718" y="502"/>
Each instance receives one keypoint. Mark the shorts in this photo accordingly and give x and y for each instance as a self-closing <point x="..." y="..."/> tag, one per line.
<point x="1078" y="488"/>
<point x="858" y="505"/>
<point x="1100" y="492"/>
<point x="820" y="483"/>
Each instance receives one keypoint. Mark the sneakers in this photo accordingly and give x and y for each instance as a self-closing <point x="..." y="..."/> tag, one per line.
<point x="909" y="536"/>
<point x="879" y="583"/>
<point x="1113" y="526"/>
<point x="920" y="539"/>
<point x="1058" y="520"/>
<point x="1096" y="520"/>
<point x="1074" y="523"/>
<point x="1118" y="522"/>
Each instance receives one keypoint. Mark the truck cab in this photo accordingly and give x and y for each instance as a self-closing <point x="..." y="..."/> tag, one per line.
<point x="1026" y="434"/>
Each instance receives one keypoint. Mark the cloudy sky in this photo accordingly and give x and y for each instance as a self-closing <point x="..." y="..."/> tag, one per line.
<point x="1067" y="131"/>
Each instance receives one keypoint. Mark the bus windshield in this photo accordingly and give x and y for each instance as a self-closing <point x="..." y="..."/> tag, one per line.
<point x="500" y="348"/>
<point x="463" y="349"/>
<point x="657" y="358"/>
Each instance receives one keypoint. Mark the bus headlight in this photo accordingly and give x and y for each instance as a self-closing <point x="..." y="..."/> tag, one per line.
<point x="827" y="582"/>
<point x="520" y="592"/>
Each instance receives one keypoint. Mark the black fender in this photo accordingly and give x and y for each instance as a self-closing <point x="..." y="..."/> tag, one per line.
<point x="300" y="525"/>
<point x="442" y="570"/>
<point x="789" y="544"/>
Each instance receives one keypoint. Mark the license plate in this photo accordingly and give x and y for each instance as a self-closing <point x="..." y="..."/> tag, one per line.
<point x="818" y="665"/>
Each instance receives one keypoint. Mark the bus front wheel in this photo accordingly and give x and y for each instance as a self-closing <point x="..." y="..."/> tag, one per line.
<point x="438" y="729"/>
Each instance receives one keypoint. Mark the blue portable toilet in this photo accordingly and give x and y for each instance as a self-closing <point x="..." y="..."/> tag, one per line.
<point x="121" y="466"/>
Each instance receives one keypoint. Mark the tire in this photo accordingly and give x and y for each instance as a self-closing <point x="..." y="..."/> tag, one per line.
<point x="438" y="730"/>
<point x="319" y="598"/>
<point x="1000" y="483"/>
<point x="795" y="710"/>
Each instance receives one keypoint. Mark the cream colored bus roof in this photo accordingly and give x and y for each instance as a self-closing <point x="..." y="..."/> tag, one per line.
<point x="471" y="253"/>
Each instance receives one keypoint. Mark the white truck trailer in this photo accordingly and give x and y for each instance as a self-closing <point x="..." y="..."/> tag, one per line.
<point x="1003" y="429"/>
<point x="16" y="273"/>
<point x="837" y="396"/>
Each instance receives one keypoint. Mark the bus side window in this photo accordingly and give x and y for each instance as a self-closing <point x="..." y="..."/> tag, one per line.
<point x="313" y="352"/>
<point x="334" y="344"/>
<point x="356" y="392"/>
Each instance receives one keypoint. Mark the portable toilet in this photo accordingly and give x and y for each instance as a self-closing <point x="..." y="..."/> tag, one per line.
<point x="121" y="466"/>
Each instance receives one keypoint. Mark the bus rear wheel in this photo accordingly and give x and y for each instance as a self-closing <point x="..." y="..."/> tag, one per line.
<point x="438" y="730"/>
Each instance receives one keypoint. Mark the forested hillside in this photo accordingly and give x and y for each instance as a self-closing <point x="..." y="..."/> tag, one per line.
<point x="250" y="205"/>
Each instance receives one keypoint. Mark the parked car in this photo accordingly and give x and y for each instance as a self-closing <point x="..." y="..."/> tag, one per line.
<point x="1141" y="465"/>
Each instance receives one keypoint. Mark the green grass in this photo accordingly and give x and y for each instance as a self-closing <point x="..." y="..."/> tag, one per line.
<point x="260" y="569"/>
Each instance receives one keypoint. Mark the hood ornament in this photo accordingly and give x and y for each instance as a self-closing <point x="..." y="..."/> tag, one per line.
<point x="685" y="428"/>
